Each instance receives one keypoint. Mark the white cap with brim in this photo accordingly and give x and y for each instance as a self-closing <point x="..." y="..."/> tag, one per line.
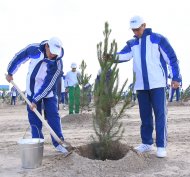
<point x="73" y="65"/>
<point x="55" y="46"/>
<point x="136" y="22"/>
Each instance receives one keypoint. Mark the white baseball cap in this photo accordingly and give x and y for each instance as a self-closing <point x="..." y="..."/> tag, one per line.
<point x="73" y="65"/>
<point x="55" y="46"/>
<point x="136" y="22"/>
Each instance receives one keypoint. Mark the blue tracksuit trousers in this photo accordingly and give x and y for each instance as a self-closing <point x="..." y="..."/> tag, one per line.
<point x="52" y="117"/>
<point x="149" y="101"/>
<point x="172" y="94"/>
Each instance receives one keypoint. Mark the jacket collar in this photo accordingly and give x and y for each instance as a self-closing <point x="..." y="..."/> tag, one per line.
<point x="147" y="31"/>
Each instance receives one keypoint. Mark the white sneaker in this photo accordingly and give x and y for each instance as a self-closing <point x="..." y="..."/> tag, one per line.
<point x="61" y="149"/>
<point x="161" y="152"/>
<point x="144" y="148"/>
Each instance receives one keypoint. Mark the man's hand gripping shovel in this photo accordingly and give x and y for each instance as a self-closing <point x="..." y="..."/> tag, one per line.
<point x="66" y="145"/>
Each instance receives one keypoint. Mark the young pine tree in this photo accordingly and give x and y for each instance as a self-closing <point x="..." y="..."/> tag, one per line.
<point x="84" y="80"/>
<point x="107" y="125"/>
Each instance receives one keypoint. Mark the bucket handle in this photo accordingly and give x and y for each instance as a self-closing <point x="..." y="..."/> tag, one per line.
<point x="28" y="128"/>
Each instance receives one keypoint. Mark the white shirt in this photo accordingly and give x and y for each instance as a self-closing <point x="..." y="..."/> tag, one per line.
<point x="71" y="78"/>
<point x="62" y="85"/>
<point x="14" y="93"/>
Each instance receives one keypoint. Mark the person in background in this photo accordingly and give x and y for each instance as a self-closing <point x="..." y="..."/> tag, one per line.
<point x="133" y="95"/>
<point x="44" y="69"/>
<point x="88" y="91"/>
<point x="14" y="94"/>
<point x="72" y="87"/>
<point x="167" y="91"/>
<point x="3" y="96"/>
<point x="174" y="90"/>
<point x="63" y="95"/>
<point x="58" y="88"/>
<point x="151" y="53"/>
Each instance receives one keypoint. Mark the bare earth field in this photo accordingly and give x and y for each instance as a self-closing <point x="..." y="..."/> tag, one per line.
<point x="77" y="130"/>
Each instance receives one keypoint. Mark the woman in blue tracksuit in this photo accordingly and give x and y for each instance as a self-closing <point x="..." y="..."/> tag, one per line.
<point x="151" y="52"/>
<point x="44" y="68"/>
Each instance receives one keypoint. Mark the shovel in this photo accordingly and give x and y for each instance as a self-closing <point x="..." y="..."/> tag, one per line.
<point x="64" y="144"/>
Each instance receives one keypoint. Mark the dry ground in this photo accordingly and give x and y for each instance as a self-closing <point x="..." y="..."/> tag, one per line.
<point x="78" y="129"/>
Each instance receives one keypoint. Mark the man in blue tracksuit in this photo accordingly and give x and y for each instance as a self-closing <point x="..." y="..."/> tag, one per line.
<point x="44" y="68"/>
<point x="151" y="52"/>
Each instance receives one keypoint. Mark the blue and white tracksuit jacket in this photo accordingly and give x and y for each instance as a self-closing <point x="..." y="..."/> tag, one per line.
<point x="40" y="84"/>
<point x="151" y="54"/>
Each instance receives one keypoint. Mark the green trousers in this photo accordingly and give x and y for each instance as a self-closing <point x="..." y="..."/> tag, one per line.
<point x="74" y="99"/>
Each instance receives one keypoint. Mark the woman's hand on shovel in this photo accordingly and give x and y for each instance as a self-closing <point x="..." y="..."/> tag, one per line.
<point x="33" y="106"/>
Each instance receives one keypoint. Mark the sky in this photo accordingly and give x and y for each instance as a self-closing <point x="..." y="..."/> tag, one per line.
<point x="80" y="24"/>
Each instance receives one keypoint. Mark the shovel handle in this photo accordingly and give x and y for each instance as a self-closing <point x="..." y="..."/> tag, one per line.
<point x="39" y="115"/>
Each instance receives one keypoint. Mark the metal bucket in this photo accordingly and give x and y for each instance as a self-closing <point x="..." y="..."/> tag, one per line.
<point x="31" y="152"/>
